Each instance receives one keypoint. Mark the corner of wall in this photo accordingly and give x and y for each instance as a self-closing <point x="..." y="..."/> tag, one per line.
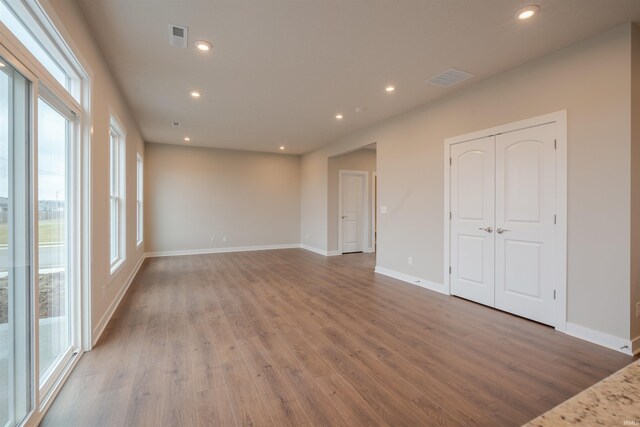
<point x="634" y="291"/>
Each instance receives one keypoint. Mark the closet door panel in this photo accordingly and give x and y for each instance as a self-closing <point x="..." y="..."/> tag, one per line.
<point x="472" y="220"/>
<point x="525" y="234"/>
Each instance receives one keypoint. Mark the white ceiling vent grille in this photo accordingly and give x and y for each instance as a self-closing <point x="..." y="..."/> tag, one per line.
<point x="178" y="36"/>
<point x="449" y="77"/>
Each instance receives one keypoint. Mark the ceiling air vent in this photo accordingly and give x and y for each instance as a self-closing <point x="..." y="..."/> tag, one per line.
<point x="449" y="77"/>
<point x="178" y="36"/>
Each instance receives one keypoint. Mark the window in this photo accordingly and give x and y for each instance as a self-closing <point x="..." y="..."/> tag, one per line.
<point x="22" y="33"/>
<point x="15" y="271"/>
<point x="139" y="206"/>
<point x="117" y="237"/>
<point x="42" y="260"/>
<point x="54" y="131"/>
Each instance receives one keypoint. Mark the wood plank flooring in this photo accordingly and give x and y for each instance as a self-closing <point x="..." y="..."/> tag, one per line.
<point x="289" y="337"/>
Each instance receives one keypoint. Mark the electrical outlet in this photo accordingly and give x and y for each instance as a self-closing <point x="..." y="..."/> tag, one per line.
<point x="224" y="238"/>
<point x="306" y="237"/>
<point x="213" y="239"/>
<point x="410" y="260"/>
<point x="638" y="309"/>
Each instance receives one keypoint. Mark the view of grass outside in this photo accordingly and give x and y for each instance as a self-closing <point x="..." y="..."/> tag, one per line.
<point x="50" y="231"/>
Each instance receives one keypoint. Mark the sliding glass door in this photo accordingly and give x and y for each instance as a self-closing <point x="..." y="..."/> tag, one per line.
<point x="55" y="294"/>
<point x="16" y="292"/>
<point x="44" y="251"/>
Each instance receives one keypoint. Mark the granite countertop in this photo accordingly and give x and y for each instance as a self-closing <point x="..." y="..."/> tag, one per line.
<point x="614" y="401"/>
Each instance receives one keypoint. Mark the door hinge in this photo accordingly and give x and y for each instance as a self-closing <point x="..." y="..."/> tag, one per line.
<point x="555" y="144"/>
<point x="555" y="219"/>
<point x="554" y="294"/>
<point x="450" y="215"/>
<point x="449" y="269"/>
<point x="450" y="161"/>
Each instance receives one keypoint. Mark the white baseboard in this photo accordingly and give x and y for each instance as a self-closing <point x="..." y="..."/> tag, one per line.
<point x="601" y="338"/>
<point x="318" y="251"/>
<point x="326" y="253"/>
<point x="423" y="283"/>
<point x="221" y="250"/>
<point x="104" y="321"/>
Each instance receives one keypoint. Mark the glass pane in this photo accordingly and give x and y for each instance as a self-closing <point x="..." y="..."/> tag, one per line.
<point x="26" y="38"/>
<point x="15" y="331"/>
<point x="139" y="199"/>
<point x="114" y="230"/>
<point x="55" y="331"/>
<point x="113" y="162"/>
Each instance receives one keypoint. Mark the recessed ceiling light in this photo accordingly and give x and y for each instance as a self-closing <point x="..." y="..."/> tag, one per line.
<point x="2" y="65"/>
<point x="339" y="116"/>
<point x="187" y="139"/>
<point x="204" y="46"/>
<point x="390" y="88"/>
<point x="282" y="147"/>
<point x="527" y="12"/>
<point x="195" y="94"/>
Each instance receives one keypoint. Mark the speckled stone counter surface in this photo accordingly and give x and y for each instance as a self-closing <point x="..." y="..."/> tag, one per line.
<point x="614" y="401"/>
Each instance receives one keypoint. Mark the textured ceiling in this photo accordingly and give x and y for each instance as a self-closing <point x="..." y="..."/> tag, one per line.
<point x="281" y="70"/>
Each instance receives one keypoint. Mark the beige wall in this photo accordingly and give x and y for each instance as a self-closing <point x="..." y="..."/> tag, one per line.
<point x="105" y="95"/>
<point x="592" y="81"/>
<point x="192" y="194"/>
<point x="635" y="182"/>
<point x="362" y="160"/>
<point x="313" y="200"/>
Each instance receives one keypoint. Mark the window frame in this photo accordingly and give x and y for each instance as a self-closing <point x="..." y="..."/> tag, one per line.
<point x="117" y="196"/>
<point x="25" y="299"/>
<point x="39" y="20"/>
<point x="43" y="24"/>
<point x="139" y="200"/>
<point x="48" y="381"/>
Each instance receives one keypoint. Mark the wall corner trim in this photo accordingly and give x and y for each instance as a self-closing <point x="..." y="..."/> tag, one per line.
<point x="318" y="251"/>
<point x="423" y="283"/>
<point x="96" y="333"/>
<point x="601" y="338"/>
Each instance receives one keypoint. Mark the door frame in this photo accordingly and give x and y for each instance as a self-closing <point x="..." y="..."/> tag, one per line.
<point x="374" y="206"/>
<point x="364" y="210"/>
<point x="560" y="119"/>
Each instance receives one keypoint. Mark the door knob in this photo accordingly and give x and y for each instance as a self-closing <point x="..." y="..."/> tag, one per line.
<point x="500" y="230"/>
<point x="488" y="229"/>
<point x="344" y="216"/>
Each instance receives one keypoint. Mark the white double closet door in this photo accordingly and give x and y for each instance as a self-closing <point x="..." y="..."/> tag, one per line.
<point x="503" y="192"/>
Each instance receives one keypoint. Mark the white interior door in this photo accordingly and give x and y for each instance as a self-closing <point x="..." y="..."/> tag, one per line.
<point x="472" y="220"/>
<point x="352" y="212"/>
<point x="525" y="222"/>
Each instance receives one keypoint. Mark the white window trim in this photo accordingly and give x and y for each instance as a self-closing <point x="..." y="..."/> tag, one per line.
<point x="39" y="24"/>
<point x="116" y="265"/>
<point x="78" y="99"/>
<point x="139" y="200"/>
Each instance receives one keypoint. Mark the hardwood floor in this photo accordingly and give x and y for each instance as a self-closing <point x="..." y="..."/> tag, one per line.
<point x="289" y="337"/>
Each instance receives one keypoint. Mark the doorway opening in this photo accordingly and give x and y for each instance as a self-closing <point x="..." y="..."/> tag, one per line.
<point x="352" y="187"/>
